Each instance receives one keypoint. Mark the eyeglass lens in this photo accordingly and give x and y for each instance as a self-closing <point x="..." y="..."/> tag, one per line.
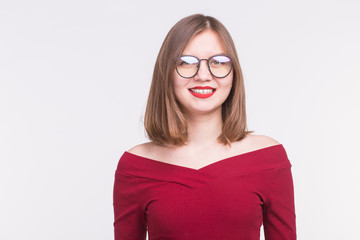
<point x="219" y="66"/>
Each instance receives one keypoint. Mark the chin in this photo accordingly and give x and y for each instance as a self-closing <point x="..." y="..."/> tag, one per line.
<point x="203" y="110"/>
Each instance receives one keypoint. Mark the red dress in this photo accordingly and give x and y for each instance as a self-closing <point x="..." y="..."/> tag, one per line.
<point x="226" y="200"/>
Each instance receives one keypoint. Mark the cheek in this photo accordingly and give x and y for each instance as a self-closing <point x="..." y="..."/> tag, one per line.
<point x="179" y="84"/>
<point x="227" y="87"/>
<point x="228" y="83"/>
<point x="176" y="85"/>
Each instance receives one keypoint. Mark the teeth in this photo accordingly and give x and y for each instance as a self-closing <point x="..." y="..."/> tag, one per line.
<point x="202" y="91"/>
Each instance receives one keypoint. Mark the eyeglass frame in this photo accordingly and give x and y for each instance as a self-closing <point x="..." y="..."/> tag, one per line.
<point x="199" y="63"/>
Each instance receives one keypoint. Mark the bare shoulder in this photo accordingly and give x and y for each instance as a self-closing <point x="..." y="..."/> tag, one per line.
<point x="147" y="149"/>
<point x="254" y="142"/>
<point x="262" y="141"/>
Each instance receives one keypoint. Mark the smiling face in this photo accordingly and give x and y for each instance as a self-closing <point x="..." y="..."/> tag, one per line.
<point x="202" y="93"/>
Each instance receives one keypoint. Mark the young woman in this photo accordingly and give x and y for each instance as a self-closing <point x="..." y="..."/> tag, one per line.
<point x="202" y="175"/>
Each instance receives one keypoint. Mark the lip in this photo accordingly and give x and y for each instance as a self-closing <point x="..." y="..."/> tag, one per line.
<point x="199" y="95"/>
<point x="203" y="87"/>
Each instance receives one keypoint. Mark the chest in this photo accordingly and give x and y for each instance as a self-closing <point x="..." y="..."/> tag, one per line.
<point x="201" y="207"/>
<point x="195" y="159"/>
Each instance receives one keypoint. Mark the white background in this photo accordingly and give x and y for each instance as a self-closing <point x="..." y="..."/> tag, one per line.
<point x="74" y="79"/>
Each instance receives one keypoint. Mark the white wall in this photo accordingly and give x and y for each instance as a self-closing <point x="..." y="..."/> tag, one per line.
<point x="74" y="79"/>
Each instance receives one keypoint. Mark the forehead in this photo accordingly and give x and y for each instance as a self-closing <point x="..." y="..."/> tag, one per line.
<point x="205" y="44"/>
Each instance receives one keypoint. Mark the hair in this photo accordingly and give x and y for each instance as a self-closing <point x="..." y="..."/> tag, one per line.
<point x="164" y="121"/>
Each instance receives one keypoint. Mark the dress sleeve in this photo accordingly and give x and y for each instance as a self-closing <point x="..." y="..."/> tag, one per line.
<point x="129" y="223"/>
<point x="279" y="210"/>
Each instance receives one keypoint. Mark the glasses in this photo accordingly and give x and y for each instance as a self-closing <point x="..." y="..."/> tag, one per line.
<point x="188" y="66"/>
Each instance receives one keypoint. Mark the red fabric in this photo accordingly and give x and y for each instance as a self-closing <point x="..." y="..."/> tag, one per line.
<point x="229" y="199"/>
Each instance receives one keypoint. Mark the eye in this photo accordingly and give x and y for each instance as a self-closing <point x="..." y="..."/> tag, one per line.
<point x="187" y="61"/>
<point x="184" y="63"/>
<point x="220" y="60"/>
<point x="216" y="62"/>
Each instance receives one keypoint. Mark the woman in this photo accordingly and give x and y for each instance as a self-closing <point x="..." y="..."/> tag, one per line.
<point x="202" y="175"/>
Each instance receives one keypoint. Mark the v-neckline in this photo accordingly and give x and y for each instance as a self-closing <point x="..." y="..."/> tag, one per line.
<point x="223" y="160"/>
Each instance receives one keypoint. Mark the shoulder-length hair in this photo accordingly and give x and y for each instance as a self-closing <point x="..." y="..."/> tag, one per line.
<point x="164" y="122"/>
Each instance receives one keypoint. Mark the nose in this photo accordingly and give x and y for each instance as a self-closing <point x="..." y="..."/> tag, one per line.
<point x="203" y="73"/>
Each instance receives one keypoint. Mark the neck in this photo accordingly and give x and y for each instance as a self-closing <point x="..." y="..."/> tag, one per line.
<point x="203" y="130"/>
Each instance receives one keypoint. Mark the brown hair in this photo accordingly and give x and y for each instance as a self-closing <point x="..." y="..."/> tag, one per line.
<point x="164" y="122"/>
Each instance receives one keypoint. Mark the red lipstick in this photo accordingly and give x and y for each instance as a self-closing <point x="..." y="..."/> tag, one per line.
<point x="205" y="93"/>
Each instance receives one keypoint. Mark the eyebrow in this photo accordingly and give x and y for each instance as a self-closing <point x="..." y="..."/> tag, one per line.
<point x="199" y="57"/>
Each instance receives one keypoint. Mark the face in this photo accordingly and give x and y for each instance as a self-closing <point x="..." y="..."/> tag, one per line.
<point x="193" y="101"/>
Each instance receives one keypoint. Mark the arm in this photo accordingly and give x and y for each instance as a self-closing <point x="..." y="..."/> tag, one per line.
<point x="129" y="223"/>
<point x="279" y="210"/>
